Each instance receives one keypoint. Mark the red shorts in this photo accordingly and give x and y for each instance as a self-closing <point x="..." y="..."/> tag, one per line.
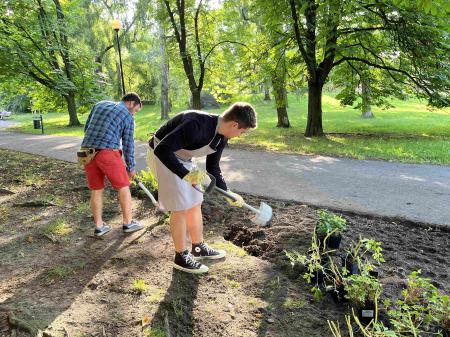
<point x="107" y="163"/>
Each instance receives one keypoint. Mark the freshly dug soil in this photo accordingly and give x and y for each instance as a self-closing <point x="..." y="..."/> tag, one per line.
<point x="57" y="278"/>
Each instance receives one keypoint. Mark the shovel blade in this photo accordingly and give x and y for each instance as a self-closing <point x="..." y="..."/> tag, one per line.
<point x="264" y="216"/>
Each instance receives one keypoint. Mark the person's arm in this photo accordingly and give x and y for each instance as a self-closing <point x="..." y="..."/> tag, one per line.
<point x="213" y="165"/>
<point x="179" y="138"/>
<point x="128" y="145"/>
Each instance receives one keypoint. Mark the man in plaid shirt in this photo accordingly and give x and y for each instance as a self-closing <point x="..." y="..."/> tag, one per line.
<point x="109" y="124"/>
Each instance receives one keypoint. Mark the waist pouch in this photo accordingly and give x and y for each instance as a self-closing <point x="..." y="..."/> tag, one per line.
<point x="85" y="155"/>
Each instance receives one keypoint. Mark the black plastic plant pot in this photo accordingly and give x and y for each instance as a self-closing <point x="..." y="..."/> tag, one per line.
<point x="339" y="294"/>
<point x="373" y="273"/>
<point x="350" y="265"/>
<point x="319" y="277"/>
<point x="334" y="241"/>
<point x="366" y="313"/>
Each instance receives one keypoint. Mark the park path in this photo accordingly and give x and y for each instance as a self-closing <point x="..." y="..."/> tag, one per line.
<point x="409" y="191"/>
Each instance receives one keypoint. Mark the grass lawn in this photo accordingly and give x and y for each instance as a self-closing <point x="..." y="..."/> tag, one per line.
<point x="407" y="133"/>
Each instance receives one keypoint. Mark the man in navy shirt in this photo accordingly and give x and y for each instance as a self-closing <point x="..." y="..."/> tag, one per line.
<point x="109" y="124"/>
<point x="191" y="134"/>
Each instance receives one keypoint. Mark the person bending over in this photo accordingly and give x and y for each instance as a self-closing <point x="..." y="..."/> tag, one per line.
<point x="190" y="134"/>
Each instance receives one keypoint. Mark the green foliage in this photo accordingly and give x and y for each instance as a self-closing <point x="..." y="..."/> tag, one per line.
<point x="362" y="289"/>
<point x="313" y="264"/>
<point x="148" y="179"/>
<point x="367" y="253"/>
<point x="421" y="309"/>
<point x="374" y="329"/>
<point x="330" y="223"/>
<point x="154" y="331"/>
<point x="139" y="286"/>
<point x="58" y="227"/>
<point x="58" y="273"/>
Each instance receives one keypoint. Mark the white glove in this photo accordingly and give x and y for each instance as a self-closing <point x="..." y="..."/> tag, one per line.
<point x="239" y="200"/>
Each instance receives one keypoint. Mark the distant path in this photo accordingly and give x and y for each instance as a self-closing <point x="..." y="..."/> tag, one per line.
<point x="413" y="192"/>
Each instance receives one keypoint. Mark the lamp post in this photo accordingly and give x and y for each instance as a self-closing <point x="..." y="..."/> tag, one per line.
<point x="116" y="25"/>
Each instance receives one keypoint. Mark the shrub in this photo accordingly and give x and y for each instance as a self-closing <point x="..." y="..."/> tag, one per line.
<point x="362" y="289"/>
<point x="330" y="223"/>
<point x="422" y="308"/>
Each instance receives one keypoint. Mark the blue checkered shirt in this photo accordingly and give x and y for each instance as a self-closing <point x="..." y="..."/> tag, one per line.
<point x="107" y="124"/>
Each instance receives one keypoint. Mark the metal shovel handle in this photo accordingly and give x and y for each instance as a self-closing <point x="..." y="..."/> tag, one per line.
<point x="149" y="194"/>
<point x="230" y="196"/>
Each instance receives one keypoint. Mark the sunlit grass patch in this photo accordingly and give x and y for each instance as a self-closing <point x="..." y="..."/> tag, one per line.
<point x="233" y="284"/>
<point x="230" y="248"/>
<point x="139" y="286"/>
<point x="58" y="227"/>
<point x="156" y="296"/>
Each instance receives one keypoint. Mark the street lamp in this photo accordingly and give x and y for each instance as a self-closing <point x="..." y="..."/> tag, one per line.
<point x="116" y="25"/>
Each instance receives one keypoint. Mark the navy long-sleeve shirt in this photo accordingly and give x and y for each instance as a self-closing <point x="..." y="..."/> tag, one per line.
<point x="190" y="130"/>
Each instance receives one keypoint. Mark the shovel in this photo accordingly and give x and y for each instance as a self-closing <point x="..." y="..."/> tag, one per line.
<point x="263" y="215"/>
<point x="149" y="194"/>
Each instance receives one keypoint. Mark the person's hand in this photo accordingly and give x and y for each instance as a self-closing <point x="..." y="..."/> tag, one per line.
<point x="132" y="175"/>
<point x="195" y="177"/>
<point x="239" y="200"/>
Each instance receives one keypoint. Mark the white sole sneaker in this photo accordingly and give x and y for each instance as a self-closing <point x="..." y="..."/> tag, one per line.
<point x="221" y="255"/>
<point x="103" y="231"/>
<point x="202" y="270"/>
<point x="133" y="229"/>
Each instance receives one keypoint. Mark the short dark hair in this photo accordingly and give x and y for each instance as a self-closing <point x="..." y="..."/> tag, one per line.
<point x="132" y="97"/>
<point x="242" y="113"/>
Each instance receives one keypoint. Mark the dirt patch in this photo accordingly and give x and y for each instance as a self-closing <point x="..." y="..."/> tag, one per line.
<point x="56" y="277"/>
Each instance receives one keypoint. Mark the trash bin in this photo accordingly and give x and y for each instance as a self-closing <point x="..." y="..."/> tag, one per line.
<point x="37" y="122"/>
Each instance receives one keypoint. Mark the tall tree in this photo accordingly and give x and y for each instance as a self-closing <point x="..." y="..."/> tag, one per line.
<point x="410" y="46"/>
<point x="35" y="46"/>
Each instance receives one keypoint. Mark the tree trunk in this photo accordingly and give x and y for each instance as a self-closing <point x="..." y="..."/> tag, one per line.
<point x="196" y="101"/>
<point x="366" y="109"/>
<point x="165" y="106"/>
<point x="280" y="94"/>
<point x="266" y="91"/>
<point x="314" y="125"/>
<point x="71" y="107"/>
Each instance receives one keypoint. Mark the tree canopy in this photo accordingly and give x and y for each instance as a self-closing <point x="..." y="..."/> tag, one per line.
<point x="63" y="54"/>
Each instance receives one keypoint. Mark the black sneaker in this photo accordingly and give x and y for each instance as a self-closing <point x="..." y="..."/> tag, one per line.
<point x="184" y="261"/>
<point x="102" y="230"/>
<point x="203" y="251"/>
<point x="132" y="227"/>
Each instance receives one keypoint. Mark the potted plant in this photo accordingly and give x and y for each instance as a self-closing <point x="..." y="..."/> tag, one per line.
<point x="316" y="269"/>
<point x="362" y="257"/>
<point x="329" y="229"/>
<point x="337" y="287"/>
<point x="363" y="292"/>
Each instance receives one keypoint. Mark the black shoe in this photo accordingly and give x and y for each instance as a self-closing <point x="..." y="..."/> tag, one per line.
<point x="184" y="261"/>
<point x="203" y="251"/>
